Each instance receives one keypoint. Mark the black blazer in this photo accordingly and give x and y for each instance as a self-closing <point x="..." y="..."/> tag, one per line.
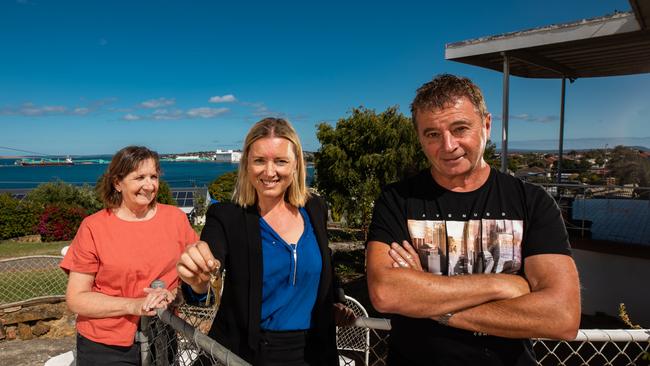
<point x="233" y="234"/>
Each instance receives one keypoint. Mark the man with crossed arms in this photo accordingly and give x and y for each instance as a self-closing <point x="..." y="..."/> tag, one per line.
<point x="483" y="262"/>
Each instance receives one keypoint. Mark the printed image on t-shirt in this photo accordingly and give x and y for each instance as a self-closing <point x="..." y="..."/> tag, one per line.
<point x="466" y="247"/>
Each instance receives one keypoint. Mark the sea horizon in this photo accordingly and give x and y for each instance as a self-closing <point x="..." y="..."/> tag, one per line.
<point x="177" y="174"/>
<point x="538" y="145"/>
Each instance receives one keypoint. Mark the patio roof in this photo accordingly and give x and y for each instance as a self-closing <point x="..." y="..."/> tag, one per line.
<point x="617" y="44"/>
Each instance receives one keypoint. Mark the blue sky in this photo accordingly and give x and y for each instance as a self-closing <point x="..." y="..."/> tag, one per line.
<point x="89" y="77"/>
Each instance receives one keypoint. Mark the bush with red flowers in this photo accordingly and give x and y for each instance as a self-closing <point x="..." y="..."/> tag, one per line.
<point x="59" y="222"/>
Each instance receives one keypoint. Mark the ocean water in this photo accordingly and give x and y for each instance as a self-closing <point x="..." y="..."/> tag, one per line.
<point x="177" y="174"/>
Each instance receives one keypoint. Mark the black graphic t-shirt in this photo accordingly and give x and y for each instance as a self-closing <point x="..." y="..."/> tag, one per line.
<point x="489" y="230"/>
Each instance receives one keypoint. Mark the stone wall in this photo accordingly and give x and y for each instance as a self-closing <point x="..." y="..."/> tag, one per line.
<point x="36" y="321"/>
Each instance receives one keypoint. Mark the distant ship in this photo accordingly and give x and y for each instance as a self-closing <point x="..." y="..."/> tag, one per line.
<point x="44" y="162"/>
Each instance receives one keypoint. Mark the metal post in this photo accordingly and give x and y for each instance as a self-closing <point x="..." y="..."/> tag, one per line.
<point x="142" y="335"/>
<point x="505" y="112"/>
<point x="561" y="147"/>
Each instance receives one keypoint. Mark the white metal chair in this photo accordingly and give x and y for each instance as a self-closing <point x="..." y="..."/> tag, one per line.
<point x="353" y="342"/>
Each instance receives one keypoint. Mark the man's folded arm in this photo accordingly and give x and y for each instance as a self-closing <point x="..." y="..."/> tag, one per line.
<point x="420" y="294"/>
<point x="551" y="310"/>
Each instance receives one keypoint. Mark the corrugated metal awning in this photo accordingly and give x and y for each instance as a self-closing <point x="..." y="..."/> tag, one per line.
<point x="617" y="44"/>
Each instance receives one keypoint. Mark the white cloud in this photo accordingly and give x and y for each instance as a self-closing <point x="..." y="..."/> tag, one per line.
<point x="131" y="117"/>
<point x="528" y="118"/>
<point x="54" y="109"/>
<point x="157" y="103"/>
<point x="205" y="112"/>
<point x="81" y="111"/>
<point x="31" y="109"/>
<point x="259" y="109"/>
<point x="228" y="98"/>
<point x="165" y="114"/>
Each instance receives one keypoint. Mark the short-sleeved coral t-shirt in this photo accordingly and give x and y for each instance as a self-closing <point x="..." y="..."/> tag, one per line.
<point x="126" y="257"/>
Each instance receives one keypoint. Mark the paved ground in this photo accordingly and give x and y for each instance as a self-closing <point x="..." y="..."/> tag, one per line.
<point x="33" y="352"/>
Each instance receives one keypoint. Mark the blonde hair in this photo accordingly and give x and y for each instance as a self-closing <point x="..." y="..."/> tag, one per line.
<point x="296" y="194"/>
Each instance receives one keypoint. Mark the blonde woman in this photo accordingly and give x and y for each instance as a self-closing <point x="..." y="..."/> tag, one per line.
<point x="278" y="305"/>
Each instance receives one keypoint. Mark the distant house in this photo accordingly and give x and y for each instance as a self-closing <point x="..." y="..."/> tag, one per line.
<point x="535" y="171"/>
<point x="227" y="156"/>
<point x="187" y="158"/>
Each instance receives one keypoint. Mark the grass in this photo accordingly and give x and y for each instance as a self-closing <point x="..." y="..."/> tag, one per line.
<point x="27" y="284"/>
<point x="349" y="266"/>
<point x="10" y="249"/>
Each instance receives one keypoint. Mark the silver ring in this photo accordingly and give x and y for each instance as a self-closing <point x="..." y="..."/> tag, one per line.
<point x="403" y="264"/>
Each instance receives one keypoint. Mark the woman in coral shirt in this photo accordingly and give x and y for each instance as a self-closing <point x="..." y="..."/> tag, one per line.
<point x="115" y="256"/>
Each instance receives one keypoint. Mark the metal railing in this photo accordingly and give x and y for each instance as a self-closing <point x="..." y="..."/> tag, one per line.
<point x="612" y="213"/>
<point x="591" y="346"/>
<point x="171" y="340"/>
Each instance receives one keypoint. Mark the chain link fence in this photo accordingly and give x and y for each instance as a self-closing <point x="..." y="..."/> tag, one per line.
<point x="597" y="347"/>
<point x="31" y="279"/>
<point x="178" y="336"/>
<point x="366" y="344"/>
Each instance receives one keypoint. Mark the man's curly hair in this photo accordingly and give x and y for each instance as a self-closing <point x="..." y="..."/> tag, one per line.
<point x="443" y="90"/>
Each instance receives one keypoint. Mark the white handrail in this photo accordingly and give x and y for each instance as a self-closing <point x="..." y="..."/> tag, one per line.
<point x="372" y="323"/>
<point x="613" y="335"/>
<point x="584" y="335"/>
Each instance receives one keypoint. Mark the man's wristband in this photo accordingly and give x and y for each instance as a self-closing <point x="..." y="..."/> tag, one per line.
<point x="444" y="319"/>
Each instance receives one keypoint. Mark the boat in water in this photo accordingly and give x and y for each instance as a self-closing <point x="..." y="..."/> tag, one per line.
<point x="44" y="162"/>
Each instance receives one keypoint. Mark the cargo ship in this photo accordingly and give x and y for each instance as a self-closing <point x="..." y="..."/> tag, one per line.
<point x="44" y="162"/>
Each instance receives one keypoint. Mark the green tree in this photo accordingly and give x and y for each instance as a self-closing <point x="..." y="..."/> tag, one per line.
<point x="490" y="155"/>
<point x="359" y="156"/>
<point x="200" y="207"/>
<point x="60" y="193"/>
<point x="629" y="167"/>
<point x="165" y="194"/>
<point x="516" y="162"/>
<point x="221" y="188"/>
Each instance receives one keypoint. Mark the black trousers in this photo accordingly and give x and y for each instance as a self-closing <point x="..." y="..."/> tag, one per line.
<point x="284" y="348"/>
<point x="91" y="353"/>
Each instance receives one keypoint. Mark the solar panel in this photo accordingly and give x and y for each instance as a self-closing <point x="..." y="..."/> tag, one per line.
<point x="19" y="196"/>
<point x="185" y="197"/>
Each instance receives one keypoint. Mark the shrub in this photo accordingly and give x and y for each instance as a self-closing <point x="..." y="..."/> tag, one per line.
<point x="17" y="218"/>
<point x="165" y="194"/>
<point x="60" y="222"/>
<point x="59" y="193"/>
<point x="221" y="188"/>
